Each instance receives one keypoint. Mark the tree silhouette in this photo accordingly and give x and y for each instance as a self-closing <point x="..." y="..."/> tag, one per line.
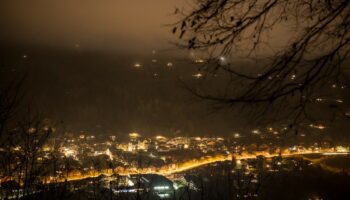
<point x="290" y="77"/>
<point x="10" y="98"/>
<point x="23" y="158"/>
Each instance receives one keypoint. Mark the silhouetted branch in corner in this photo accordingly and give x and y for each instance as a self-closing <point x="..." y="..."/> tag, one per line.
<point x="286" y="81"/>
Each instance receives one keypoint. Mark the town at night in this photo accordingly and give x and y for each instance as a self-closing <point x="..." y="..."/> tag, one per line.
<point x="175" y="99"/>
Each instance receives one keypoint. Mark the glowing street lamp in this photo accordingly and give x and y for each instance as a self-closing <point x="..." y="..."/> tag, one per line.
<point x="198" y="75"/>
<point x="137" y="65"/>
<point x="169" y="64"/>
<point x="134" y="135"/>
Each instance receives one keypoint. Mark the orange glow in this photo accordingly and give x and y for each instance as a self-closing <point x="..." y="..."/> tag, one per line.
<point x="191" y="164"/>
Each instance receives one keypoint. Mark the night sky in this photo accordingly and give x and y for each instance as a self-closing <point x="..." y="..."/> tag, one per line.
<point x="79" y="57"/>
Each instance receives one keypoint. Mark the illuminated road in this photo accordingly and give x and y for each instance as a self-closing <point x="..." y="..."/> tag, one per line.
<point x="180" y="167"/>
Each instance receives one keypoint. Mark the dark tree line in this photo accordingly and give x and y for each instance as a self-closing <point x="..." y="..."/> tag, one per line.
<point x="25" y="157"/>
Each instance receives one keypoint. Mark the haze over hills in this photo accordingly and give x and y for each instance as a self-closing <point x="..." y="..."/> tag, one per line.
<point x="104" y="93"/>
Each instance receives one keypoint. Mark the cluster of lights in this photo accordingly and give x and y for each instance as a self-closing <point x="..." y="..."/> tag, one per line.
<point x="186" y="165"/>
<point x="68" y="152"/>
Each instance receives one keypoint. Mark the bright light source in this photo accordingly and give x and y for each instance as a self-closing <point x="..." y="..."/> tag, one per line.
<point x="319" y="99"/>
<point x="318" y="126"/>
<point x="109" y="154"/>
<point x="199" y="61"/>
<point x="134" y="135"/>
<point x="68" y="152"/>
<point x="198" y="75"/>
<point x="341" y="149"/>
<point x="137" y="65"/>
<point x="164" y="195"/>
<point x="130" y="183"/>
<point x="159" y="137"/>
<point x="339" y="101"/>
<point x="161" y="188"/>
<point x="176" y="186"/>
<point x="169" y="64"/>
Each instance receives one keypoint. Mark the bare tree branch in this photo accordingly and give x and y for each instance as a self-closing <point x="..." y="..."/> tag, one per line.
<point x="290" y="77"/>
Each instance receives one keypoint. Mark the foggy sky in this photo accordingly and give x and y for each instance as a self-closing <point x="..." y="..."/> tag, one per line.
<point x="79" y="56"/>
<point x="128" y="25"/>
